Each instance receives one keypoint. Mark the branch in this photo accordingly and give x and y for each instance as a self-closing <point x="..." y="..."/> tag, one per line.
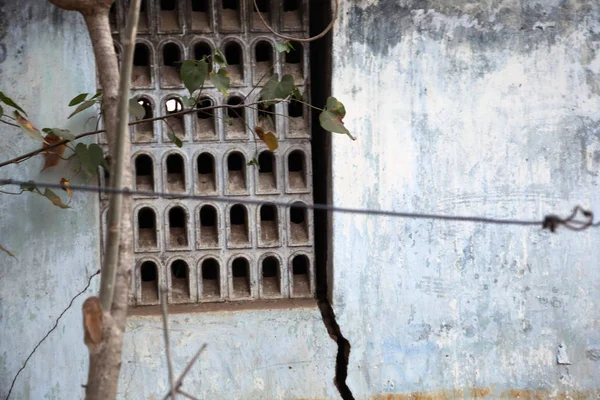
<point x="187" y="369"/>
<point x="163" y="306"/>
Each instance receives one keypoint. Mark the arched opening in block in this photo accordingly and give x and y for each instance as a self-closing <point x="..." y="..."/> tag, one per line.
<point x="294" y="62"/>
<point x="240" y="272"/>
<point x="169" y="16"/>
<point x="238" y="219"/>
<point x="178" y="236"/>
<point x="264" y="8"/>
<point x="209" y="226"/>
<point x="267" y="117"/>
<point x="200" y="15"/>
<point x="263" y="57"/>
<point x="292" y="14"/>
<point x="175" y="123"/>
<point x="180" y="280"/>
<point x="231" y="15"/>
<point x="175" y="173"/>
<point x="144" y="131"/>
<point x="297" y="170"/>
<point x="298" y="223"/>
<point x="235" y="59"/>
<point x="147" y="228"/>
<point x="143" y="20"/>
<point x="112" y="17"/>
<point x="171" y="56"/>
<point x="141" y="74"/>
<point x="205" y="119"/>
<point x="267" y="174"/>
<point x="271" y="271"/>
<point x="207" y="179"/>
<point x="144" y="173"/>
<point x="149" y="278"/>
<point x="236" y="173"/>
<point x="202" y="50"/>
<point x="211" y="286"/>
<point x="235" y="121"/>
<point x="300" y="275"/>
<point x="269" y="224"/>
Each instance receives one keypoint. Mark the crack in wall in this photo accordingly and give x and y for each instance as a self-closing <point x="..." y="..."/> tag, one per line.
<point x="343" y="352"/>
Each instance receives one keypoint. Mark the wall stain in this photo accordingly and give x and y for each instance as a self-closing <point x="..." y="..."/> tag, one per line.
<point x="489" y="393"/>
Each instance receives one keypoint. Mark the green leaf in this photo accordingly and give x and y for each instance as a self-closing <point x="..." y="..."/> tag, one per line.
<point x="174" y="139"/>
<point x="331" y="117"/>
<point x="193" y="74"/>
<point x="220" y="80"/>
<point x="2" y="248"/>
<point x="1" y="111"/>
<point x="297" y="95"/>
<point x="254" y="162"/>
<point x="27" y="127"/>
<point x="50" y="195"/>
<point x="98" y="94"/>
<point x="78" y="99"/>
<point x="219" y="58"/>
<point x="284" y="47"/>
<point x="30" y="187"/>
<point x="96" y="156"/>
<point x="136" y="109"/>
<point x="274" y="89"/>
<point x="82" y="152"/>
<point x="83" y="106"/>
<point x="188" y="101"/>
<point x="9" y="102"/>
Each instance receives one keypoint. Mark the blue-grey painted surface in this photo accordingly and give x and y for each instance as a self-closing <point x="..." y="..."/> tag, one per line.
<point x="484" y="108"/>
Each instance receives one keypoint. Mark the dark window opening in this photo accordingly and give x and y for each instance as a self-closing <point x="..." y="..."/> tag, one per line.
<point x="294" y="56"/>
<point x="171" y="55"/>
<point x="202" y="50"/>
<point x="175" y="173"/>
<point x="298" y="225"/>
<point x="263" y="52"/>
<point x="263" y="6"/>
<point x="292" y="14"/>
<point x="235" y="59"/>
<point x="143" y="6"/>
<point x="237" y="113"/>
<point x="168" y="16"/>
<point x="210" y="278"/>
<point x="147" y="108"/>
<point x="267" y="178"/>
<point x="234" y="121"/>
<point x="200" y="15"/>
<point x="144" y="172"/>
<point x="266" y="117"/>
<point x="168" y="5"/>
<point x="291" y="5"/>
<point x="200" y="6"/>
<point x="209" y="228"/>
<point x="180" y="280"/>
<point x="238" y="219"/>
<point x="149" y="276"/>
<point x="144" y="131"/>
<point x="143" y="20"/>
<point x="270" y="275"/>
<point x="177" y="227"/>
<point x="236" y="173"/>
<point x="141" y="55"/>
<point x="203" y="103"/>
<point x="296" y="170"/>
<point x="295" y="109"/>
<point x="230" y="15"/>
<point x="269" y="228"/>
<point x="241" y="277"/>
<point x="230" y="4"/>
<point x="294" y="61"/>
<point x="206" y="173"/>
<point x="112" y="17"/>
<point x="301" y="281"/>
<point x="205" y="123"/>
<point x="146" y="228"/>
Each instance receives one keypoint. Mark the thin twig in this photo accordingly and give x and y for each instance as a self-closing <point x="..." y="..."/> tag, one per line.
<point x="9" y="123"/>
<point x="165" y="317"/>
<point x="187" y="369"/>
<point x="49" y="332"/>
<point x="185" y="394"/>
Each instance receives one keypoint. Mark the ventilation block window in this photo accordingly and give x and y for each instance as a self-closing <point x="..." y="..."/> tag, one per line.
<point x="266" y="117"/>
<point x="202" y="50"/>
<point x="144" y="132"/>
<point x="269" y="225"/>
<point x="238" y="220"/>
<point x="294" y="61"/>
<point x="171" y="56"/>
<point x="240" y="272"/>
<point x="267" y="176"/>
<point x="298" y="223"/>
<point x="143" y="20"/>
<point x="177" y="227"/>
<point x="209" y="226"/>
<point x="205" y="119"/>
<point x="141" y="74"/>
<point x="297" y="170"/>
<point x="211" y="287"/>
<point x="235" y="59"/>
<point x="180" y="280"/>
<point x="263" y="61"/>
<point x="168" y="17"/>
<point x="236" y="173"/>
<point x="147" y="228"/>
<point x="149" y="278"/>
<point x="235" y="121"/>
<point x="175" y="174"/>
<point x="207" y="177"/>
<point x="271" y="276"/>
<point x="174" y="124"/>
<point x="264" y="8"/>
<point x="144" y="173"/>
<point x="200" y="15"/>
<point x="300" y="276"/>
<point x="231" y="18"/>
<point x="292" y="14"/>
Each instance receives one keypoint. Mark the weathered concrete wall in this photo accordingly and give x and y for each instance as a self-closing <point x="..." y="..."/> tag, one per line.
<point x="470" y="108"/>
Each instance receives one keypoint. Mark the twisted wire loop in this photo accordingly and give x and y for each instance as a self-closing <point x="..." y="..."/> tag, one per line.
<point x="572" y="222"/>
